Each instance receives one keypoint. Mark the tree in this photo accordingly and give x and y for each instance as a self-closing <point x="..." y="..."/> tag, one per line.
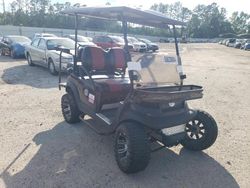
<point x="240" y="22"/>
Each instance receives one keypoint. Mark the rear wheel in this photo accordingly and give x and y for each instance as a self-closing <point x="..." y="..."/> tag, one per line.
<point x="132" y="150"/>
<point x="12" y="54"/>
<point x="201" y="132"/>
<point x="70" y="110"/>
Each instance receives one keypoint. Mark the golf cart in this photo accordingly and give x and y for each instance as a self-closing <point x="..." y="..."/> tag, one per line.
<point x="142" y="102"/>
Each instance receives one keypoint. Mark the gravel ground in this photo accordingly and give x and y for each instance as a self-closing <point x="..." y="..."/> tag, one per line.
<point x="38" y="149"/>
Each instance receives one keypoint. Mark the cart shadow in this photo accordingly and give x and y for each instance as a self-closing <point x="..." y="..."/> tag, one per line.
<point x="4" y="59"/>
<point x="75" y="156"/>
<point x="36" y="76"/>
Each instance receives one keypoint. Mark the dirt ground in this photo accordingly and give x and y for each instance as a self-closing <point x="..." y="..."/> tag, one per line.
<point x="38" y="149"/>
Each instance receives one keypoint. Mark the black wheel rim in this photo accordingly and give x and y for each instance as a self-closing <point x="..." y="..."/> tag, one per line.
<point x="122" y="147"/>
<point x="66" y="108"/>
<point x="195" y="129"/>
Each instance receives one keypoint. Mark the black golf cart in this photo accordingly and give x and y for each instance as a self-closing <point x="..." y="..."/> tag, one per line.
<point x="142" y="102"/>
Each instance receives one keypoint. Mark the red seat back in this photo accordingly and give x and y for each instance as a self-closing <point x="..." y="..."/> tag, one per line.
<point x="94" y="58"/>
<point x="117" y="59"/>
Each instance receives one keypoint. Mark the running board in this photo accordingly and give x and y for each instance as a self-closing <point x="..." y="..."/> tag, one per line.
<point x="99" y="129"/>
<point x="104" y="118"/>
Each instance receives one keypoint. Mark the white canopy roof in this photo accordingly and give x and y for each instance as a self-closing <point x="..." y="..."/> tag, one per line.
<point x="137" y="16"/>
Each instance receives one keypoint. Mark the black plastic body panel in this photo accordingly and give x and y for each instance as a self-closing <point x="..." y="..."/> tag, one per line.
<point x="153" y="118"/>
<point x="155" y="114"/>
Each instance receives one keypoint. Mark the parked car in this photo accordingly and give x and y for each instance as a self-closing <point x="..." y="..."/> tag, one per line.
<point x="245" y="44"/>
<point x="81" y="40"/>
<point x="150" y="45"/>
<point x="108" y="41"/>
<point x="230" y="42"/>
<point x="137" y="45"/>
<point x="224" y="41"/>
<point x="238" y="43"/>
<point x="37" y="35"/>
<point x="164" y="40"/>
<point x="90" y="39"/>
<point x="13" y="45"/>
<point x="42" y="51"/>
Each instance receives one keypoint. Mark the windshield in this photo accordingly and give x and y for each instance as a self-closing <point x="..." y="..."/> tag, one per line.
<point x="79" y="38"/>
<point x="20" y="39"/>
<point x="67" y="43"/>
<point x="48" y="35"/>
<point x="156" y="70"/>
<point x="132" y="40"/>
<point x="146" y="40"/>
<point x="117" y="39"/>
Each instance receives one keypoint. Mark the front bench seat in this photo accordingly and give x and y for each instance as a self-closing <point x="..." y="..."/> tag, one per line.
<point x="111" y="88"/>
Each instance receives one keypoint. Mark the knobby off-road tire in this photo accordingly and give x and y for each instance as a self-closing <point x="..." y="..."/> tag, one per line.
<point x="132" y="149"/>
<point x="70" y="110"/>
<point x="202" y="132"/>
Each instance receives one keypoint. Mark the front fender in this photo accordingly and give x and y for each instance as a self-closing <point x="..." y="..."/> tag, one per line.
<point x="155" y="121"/>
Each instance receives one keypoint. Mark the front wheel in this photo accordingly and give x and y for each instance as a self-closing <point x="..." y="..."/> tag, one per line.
<point x="30" y="62"/>
<point x="70" y="110"/>
<point x="52" y="68"/>
<point x="201" y="132"/>
<point x="1" y="52"/>
<point x="132" y="150"/>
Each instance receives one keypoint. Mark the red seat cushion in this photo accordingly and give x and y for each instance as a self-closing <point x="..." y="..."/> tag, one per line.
<point x="113" y="90"/>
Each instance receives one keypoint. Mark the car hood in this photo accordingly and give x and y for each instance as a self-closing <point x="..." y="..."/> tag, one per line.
<point x="153" y="44"/>
<point x="139" y="43"/>
<point x="64" y="55"/>
<point x="20" y="44"/>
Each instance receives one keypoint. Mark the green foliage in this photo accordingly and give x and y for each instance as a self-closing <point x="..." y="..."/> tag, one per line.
<point x="240" y="22"/>
<point x="205" y="21"/>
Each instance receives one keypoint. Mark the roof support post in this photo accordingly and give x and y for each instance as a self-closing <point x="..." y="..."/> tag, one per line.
<point x="182" y="75"/>
<point x="126" y="48"/>
<point x="176" y="42"/>
<point x="76" y="33"/>
<point x="125" y="34"/>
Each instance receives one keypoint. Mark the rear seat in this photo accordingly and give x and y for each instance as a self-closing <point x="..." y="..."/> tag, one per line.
<point x="114" y="88"/>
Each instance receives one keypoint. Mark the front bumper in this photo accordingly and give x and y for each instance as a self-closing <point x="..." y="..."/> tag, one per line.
<point x="153" y="48"/>
<point x="64" y="66"/>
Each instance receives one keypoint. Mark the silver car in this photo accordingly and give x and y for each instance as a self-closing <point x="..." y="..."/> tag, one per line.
<point x="42" y="51"/>
<point x="137" y="45"/>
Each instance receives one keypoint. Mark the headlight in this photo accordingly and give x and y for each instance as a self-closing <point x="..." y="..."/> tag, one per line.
<point x="65" y="59"/>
